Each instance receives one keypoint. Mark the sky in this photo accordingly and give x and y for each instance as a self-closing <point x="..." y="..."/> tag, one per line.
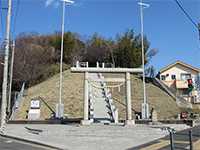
<point x="165" y="25"/>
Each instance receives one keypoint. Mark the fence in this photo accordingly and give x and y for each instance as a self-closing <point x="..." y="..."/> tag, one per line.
<point x="183" y="140"/>
<point x="17" y="102"/>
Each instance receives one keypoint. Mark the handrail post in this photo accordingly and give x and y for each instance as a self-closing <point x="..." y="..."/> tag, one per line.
<point x="190" y="139"/>
<point x="171" y="139"/>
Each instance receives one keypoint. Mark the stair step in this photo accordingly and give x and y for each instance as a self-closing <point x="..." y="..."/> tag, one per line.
<point x="102" y="103"/>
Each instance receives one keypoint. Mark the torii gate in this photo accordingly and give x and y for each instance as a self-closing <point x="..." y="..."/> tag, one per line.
<point x="126" y="71"/>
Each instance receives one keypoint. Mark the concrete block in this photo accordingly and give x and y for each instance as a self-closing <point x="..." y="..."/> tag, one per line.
<point x="85" y="122"/>
<point x="59" y="110"/>
<point x="129" y="122"/>
<point x="34" y="114"/>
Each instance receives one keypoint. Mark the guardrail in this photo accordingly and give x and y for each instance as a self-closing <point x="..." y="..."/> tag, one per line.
<point x="181" y="102"/>
<point x="172" y="139"/>
<point x="91" y="106"/>
<point x="17" y="102"/>
<point x="108" y="96"/>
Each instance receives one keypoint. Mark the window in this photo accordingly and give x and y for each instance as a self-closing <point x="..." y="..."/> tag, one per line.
<point x="163" y="77"/>
<point x="185" y="76"/>
<point x="173" y="77"/>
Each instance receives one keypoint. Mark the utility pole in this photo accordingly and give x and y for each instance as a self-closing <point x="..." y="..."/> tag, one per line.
<point x="11" y="76"/>
<point x="5" y="73"/>
<point x="145" y="106"/>
<point x="60" y="105"/>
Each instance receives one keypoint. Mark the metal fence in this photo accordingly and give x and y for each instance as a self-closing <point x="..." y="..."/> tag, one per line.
<point x="187" y="140"/>
<point x="17" y="102"/>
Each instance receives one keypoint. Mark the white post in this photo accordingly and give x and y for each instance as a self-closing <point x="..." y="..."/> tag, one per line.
<point x="129" y="120"/>
<point x="145" y="110"/>
<point x="77" y="63"/>
<point x="60" y="106"/>
<point x="5" y="73"/>
<point x="103" y="65"/>
<point x="87" y="65"/>
<point x="97" y="64"/>
<point x="116" y="116"/>
<point x="85" y="120"/>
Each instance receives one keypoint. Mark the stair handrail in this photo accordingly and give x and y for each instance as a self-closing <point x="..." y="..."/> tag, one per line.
<point x="91" y="106"/>
<point x="114" y="110"/>
<point x="172" y="93"/>
<point x="17" y="102"/>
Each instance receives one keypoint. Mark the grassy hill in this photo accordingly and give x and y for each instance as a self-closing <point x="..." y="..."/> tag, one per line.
<point x="73" y="97"/>
<point x="165" y="106"/>
<point x="49" y="91"/>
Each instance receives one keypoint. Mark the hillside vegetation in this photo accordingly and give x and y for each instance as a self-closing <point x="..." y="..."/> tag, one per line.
<point x="165" y="106"/>
<point x="73" y="97"/>
<point x="49" y="91"/>
<point x="37" y="56"/>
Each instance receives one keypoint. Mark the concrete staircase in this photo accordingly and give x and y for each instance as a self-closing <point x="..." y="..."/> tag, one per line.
<point x="113" y="111"/>
<point x="181" y="102"/>
<point x="100" y="109"/>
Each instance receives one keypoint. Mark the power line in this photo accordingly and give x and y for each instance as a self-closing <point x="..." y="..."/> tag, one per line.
<point x="15" y="17"/>
<point x="187" y="15"/>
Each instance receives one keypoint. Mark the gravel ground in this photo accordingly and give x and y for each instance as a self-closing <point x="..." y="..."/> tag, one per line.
<point x="98" y="137"/>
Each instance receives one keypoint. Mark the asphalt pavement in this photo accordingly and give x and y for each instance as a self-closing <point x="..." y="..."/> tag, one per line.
<point x="10" y="144"/>
<point x="181" y="141"/>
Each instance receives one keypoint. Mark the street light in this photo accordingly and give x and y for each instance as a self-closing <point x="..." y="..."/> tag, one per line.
<point x="60" y="105"/>
<point x="145" y="106"/>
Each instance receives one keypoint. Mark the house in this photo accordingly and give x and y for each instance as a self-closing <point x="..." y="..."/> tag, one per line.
<point x="182" y="79"/>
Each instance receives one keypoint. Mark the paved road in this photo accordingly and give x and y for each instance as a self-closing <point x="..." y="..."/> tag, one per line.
<point x="181" y="141"/>
<point x="10" y="144"/>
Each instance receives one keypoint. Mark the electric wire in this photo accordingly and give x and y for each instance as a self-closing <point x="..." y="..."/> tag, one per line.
<point x="15" y="18"/>
<point x="187" y="15"/>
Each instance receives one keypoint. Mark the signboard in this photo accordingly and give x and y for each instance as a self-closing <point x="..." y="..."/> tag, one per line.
<point x="35" y="104"/>
<point x="34" y="114"/>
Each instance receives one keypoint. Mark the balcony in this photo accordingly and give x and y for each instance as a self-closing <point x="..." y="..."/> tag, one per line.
<point x="181" y="84"/>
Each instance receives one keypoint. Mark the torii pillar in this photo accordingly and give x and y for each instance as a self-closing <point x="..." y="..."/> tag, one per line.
<point x="129" y="119"/>
<point x="86" y="120"/>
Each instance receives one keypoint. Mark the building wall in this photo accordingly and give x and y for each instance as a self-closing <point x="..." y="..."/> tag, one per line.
<point x="177" y="70"/>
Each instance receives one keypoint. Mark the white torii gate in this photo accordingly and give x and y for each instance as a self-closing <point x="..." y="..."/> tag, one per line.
<point x="127" y="71"/>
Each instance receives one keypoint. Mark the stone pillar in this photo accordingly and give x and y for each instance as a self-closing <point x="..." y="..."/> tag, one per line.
<point x="87" y="64"/>
<point x="97" y="64"/>
<point x="154" y="115"/>
<point x="77" y="63"/>
<point x="85" y="120"/>
<point x="103" y="65"/>
<point x="129" y="120"/>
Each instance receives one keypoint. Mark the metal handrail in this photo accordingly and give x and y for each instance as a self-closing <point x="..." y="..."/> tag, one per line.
<point x="17" y="102"/>
<point x="114" y="110"/>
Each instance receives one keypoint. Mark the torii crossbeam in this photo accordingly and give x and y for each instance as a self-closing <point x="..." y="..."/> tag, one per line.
<point x="126" y="71"/>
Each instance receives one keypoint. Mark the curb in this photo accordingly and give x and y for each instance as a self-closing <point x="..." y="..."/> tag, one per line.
<point x="31" y="142"/>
